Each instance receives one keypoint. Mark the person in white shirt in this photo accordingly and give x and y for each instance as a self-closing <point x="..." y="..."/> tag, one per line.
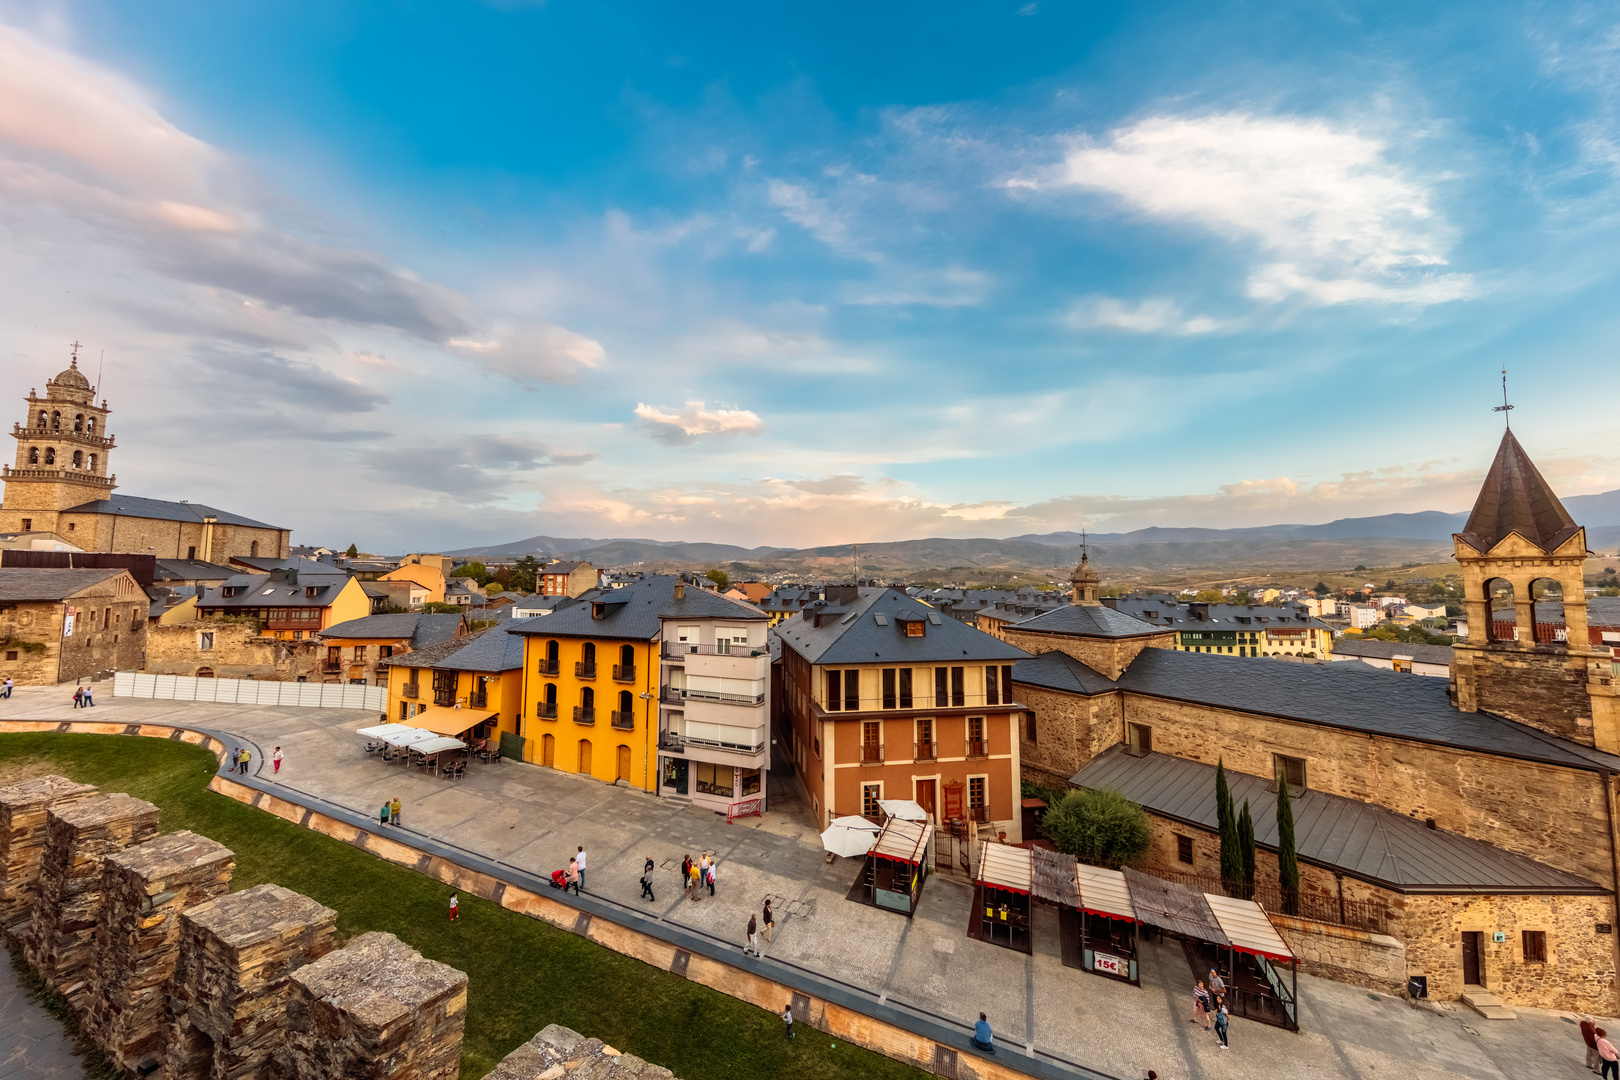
<point x="580" y="858"/>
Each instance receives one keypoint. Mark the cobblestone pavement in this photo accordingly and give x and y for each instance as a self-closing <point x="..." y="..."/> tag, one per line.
<point x="33" y="1045"/>
<point x="532" y="818"/>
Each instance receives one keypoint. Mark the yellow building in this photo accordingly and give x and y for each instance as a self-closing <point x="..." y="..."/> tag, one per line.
<point x="469" y="688"/>
<point x="426" y="574"/>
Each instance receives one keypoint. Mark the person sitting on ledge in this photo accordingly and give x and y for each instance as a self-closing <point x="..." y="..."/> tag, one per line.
<point x="982" y="1039"/>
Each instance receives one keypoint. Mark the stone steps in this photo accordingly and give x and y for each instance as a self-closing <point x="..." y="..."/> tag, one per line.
<point x="1487" y="1004"/>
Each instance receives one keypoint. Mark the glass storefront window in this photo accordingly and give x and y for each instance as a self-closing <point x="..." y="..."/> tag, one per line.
<point x="750" y="782"/>
<point x="713" y="779"/>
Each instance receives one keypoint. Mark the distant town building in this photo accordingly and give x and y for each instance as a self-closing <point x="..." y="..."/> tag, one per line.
<point x="1396" y="655"/>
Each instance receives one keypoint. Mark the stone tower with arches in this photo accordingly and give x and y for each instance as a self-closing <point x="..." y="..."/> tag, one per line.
<point x="62" y="450"/>
<point x="1529" y="654"/>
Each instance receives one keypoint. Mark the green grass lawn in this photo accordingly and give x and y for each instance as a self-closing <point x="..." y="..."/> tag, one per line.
<point x="523" y="974"/>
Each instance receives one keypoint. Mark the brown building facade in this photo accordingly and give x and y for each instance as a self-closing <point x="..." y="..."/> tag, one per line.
<point x="60" y="626"/>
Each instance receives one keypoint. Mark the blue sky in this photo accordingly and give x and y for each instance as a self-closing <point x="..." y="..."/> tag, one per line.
<point x="421" y="276"/>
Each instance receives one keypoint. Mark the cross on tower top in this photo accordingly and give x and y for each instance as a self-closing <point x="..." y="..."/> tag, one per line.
<point x="1504" y="408"/>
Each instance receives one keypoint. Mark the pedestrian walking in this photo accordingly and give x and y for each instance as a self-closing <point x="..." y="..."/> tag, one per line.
<point x="276" y="757"/>
<point x="787" y="1018"/>
<point x="753" y="933"/>
<point x="711" y="879"/>
<point x="89" y="696"/>
<point x="647" y="868"/>
<point x="1589" y="1036"/>
<point x="1201" y="1005"/>
<point x="1217" y="987"/>
<point x="1607" y="1055"/>
<point x="382" y="815"/>
<point x="982" y="1037"/>
<point x="646" y="883"/>
<point x="78" y="697"/>
<point x="394" y="816"/>
<point x="770" y="923"/>
<point x="1221" y="1020"/>
<point x="455" y="907"/>
<point x="247" y="756"/>
<point x="5" y="691"/>
<point x="571" y="878"/>
<point x="580" y="858"/>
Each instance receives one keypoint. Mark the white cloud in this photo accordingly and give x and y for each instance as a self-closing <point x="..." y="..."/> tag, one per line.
<point x="1333" y="219"/>
<point x="1153" y="316"/>
<point x="698" y="421"/>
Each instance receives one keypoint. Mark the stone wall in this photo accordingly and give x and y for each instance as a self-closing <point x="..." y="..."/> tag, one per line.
<point x="234" y="651"/>
<point x="109" y="632"/>
<point x="1541" y="685"/>
<point x="562" y="1052"/>
<point x="1107" y="656"/>
<point x="1345" y="954"/>
<point x="1069" y="731"/>
<point x="166" y="970"/>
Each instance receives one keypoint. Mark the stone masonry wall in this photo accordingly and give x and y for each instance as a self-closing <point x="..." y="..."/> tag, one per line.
<point x="562" y="1052"/>
<point x="1070" y="730"/>
<point x="80" y="836"/>
<point x="373" y="1010"/>
<point x="144" y="890"/>
<point x="1554" y="815"/>
<point x="239" y="651"/>
<point x="23" y="809"/>
<point x="1542" y="686"/>
<point x="1578" y="974"/>
<point x="1345" y="954"/>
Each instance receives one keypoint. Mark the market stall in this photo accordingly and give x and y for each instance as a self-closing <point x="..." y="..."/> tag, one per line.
<point x="1001" y="895"/>
<point x="896" y="866"/>
<point x="1106" y="923"/>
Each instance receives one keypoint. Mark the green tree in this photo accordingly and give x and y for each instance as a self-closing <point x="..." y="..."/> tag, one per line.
<point x="1287" y="860"/>
<point x="352" y="552"/>
<point x="1321" y="589"/>
<point x="719" y="577"/>
<point x="434" y="607"/>
<point x="1209" y="596"/>
<point x="492" y="588"/>
<point x="1099" y="824"/>
<point x="474" y="570"/>
<point x="525" y="574"/>
<point x="1246" y="845"/>
<point x="1231" y="853"/>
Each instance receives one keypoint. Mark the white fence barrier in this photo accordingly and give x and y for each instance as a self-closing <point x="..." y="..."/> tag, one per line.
<point x="250" y="691"/>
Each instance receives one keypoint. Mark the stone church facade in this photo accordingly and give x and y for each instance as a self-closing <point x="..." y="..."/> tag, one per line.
<point x="1462" y="831"/>
<point x="62" y="483"/>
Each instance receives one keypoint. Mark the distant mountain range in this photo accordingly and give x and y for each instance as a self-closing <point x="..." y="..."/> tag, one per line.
<point x="1384" y="540"/>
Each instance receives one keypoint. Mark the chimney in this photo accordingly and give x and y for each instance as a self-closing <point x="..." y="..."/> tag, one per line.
<point x="680" y="588"/>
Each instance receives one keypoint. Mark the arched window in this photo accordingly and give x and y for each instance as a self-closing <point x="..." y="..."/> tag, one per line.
<point x="78" y="422"/>
<point x="587" y="699"/>
<point x="90" y="425"/>
<point x="1547" y="612"/>
<point x="56" y="420"/>
<point x="585" y="756"/>
<point x="33" y="455"/>
<point x="253" y="549"/>
<point x="50" y="455"/>
<point x="44" y="419"/>
<point x="205" y="673"/>
<point x="1501" y="617"/>
<point x="627" y="655"/>
<point x="549" y="667"/>
<point x="551" y="694"/>
<point x="588" y="653"/>
<point x="93" y="469"/>
<point x="627" y="704"/>
<point x="78" y="459"/>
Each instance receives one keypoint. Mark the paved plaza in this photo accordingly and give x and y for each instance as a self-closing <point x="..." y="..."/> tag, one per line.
<point x="532" y="818"/>
<point x="33" y="1046"/>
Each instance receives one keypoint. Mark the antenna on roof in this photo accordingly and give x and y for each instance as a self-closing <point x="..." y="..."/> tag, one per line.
<point x="99" y="365"/>
<point x="1504" y="408"/>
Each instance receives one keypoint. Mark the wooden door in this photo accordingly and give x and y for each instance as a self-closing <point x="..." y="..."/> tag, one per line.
<point x="1470" y="946"/>
<point x="624" y="763"/>
<point x="548" y="751"/>
<point x="585" y="756"/>
<point x="926" y="792"/>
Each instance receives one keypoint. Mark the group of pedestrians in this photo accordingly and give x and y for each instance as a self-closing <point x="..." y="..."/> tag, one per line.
<point x="753" y="932"/>
<point x="1601" y="1055"/>
<point x="239" y="760"/>
<point x="81" y="696"/>
<point x="1209" y="1006"/>
<point x="696" y="874"/>
<point x="389" y="815"/>
<point x="574" y="876"/>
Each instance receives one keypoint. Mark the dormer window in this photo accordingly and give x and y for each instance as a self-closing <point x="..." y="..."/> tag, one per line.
<point x="310" y="590"/>
<point x="598" y="609"/>
<point x="913" y="627"/>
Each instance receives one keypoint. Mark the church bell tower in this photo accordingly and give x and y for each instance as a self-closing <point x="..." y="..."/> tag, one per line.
<point x="62" y="452"/>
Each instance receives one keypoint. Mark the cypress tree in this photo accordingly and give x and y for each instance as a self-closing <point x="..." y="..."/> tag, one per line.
<point x="1246" y="844"/>
<point x="1287" y="861"/>
<point x="1231" y="853"/>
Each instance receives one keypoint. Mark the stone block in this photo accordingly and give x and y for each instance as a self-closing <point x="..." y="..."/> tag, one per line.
<point x="22" y="844"/>
<point x="227" y="1002"/>
<point x="374" y="1009"/>
<point x="80" y="837"/>
<point x="144" y="889"/>
<point x="562" y="1052"/>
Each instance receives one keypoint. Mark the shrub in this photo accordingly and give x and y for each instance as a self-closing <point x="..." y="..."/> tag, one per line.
<point x="1100" y="825"/>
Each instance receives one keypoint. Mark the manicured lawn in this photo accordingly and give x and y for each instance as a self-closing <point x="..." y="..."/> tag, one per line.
<point x="523" y="974"/>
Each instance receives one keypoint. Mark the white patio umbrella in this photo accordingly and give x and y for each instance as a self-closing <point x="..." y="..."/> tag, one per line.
<point x="904" y="809"/>
<point x="850" y="836"/>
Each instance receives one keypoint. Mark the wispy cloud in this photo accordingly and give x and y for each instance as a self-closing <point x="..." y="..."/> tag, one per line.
<point x="1153" y="316"/>
<point x="1331" y="217"/>
<point x="478" y="469"/>
<point x="697" y="421"/>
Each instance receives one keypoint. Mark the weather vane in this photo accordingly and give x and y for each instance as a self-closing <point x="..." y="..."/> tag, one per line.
<point x="1504" y="408"/>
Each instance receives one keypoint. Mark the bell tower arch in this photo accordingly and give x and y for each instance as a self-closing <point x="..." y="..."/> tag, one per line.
<point x="63" y="452"/>
<point x="1521" y="554"/>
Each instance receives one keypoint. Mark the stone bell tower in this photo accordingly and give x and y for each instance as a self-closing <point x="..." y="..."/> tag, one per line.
<point x="62" y="452"/>
<point x="1518" y="546"/>
<point x="1085" y="583"/>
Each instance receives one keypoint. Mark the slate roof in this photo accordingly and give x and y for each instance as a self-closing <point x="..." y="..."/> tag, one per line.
<point x="20" y="584"/>
<point x="418" y="629"/>
<point x="279" y="588"/>
<point x="1517" y="499"/>
<point x="1354" y="696"/>
<point x="1060" y="671"/>
<point x="1189" y="617"/>
<point x="488" y="650"/>
<point x="867" y="630"/>
<point x="1366" y="841"/>
<point x="1388" y="650"/>
<point x="163" y="510"/>
<point x="1083" y="619"/>
<point x="189" y="570"/>
<point x="633" y="613"/>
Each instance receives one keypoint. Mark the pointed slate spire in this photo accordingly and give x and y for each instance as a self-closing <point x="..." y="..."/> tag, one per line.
<point x="1517" y="499"/>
